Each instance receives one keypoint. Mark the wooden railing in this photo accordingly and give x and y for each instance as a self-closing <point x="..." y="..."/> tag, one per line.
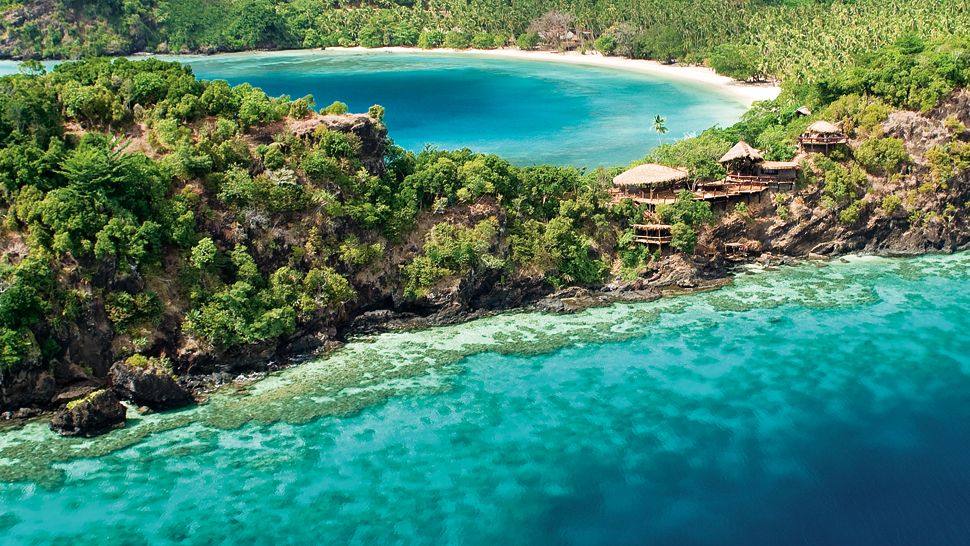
<point x="652" y="234"/>
<point x="751" y="179"/>
<point x="823" y="140"/>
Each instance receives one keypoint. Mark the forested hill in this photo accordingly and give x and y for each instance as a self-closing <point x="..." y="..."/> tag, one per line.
<point x="742" y="38"/>
<point x="154" y="223"/>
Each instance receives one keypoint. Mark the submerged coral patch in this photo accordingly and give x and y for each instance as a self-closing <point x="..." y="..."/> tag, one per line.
<point x="369" y="371"/>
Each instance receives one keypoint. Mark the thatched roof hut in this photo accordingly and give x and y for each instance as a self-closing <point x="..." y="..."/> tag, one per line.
<point x="822" y="127"/>
<point x="741" y="150"/>
<point x="650" y="175"/>
<point x="803" y="111"/>
<point x="822" y="135"/>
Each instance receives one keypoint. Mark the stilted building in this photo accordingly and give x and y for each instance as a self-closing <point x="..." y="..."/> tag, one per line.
<point x="650" y="184"/>
<point x="652" y="234"/>
<point x="748" y="170"/>
<point x="822" y="136"/>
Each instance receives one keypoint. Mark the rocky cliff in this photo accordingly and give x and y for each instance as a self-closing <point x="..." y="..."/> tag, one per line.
<point x="920" y="209"/>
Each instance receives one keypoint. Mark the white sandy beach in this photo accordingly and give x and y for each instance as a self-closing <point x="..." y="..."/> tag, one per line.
<point x="747" y="92"/>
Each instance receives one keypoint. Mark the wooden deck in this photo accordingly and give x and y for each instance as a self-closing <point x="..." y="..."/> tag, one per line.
<point x="734" y="187"/>
<point x="731" y="191"/>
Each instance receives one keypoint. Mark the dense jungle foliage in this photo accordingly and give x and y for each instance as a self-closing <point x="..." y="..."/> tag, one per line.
<point x="747" y="39"/>
<point x="168" y="203"/>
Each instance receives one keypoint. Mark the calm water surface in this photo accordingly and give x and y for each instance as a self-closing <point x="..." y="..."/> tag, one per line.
<point x="527" y="111"/>
<point x="812" y="405"/>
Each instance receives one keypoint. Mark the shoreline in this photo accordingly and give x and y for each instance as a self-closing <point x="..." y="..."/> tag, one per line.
<point x="746" y="93"/>
<point x="743" y="92"/>
<point x="232" y="404"/>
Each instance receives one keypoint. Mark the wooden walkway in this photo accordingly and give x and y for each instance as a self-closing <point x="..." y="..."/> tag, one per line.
<point x="729" y="192"/>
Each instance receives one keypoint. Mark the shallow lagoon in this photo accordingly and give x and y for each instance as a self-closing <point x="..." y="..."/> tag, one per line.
<point x="526" y="111"/>
<point x="810" y="405"/>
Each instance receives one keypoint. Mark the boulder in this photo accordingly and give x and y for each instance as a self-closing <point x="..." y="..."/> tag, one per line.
<point x="95" y="414"/>
<point x="677" y="270"/>
<point x="146" y="382"/>
<point x="575" y="299"/>
<point x="32" y="386"/>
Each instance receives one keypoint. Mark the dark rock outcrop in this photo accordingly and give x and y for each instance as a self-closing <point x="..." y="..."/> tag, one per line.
<point x="575" y="299"/>
<point x="371" y="132"/>
<point x="28" y="387"/>
<point x="95" y="414"/>
<point x="149" y="385"/>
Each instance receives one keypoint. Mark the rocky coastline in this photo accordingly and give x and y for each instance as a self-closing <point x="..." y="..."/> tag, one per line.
<point x="187" y="371"/>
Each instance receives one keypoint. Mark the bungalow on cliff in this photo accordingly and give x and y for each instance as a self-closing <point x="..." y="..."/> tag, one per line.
<point x="747" y="167"/>
<point x="650" y="184"/>
<point x="821" y="136"/>
<point x="652" y="234"/>
<point x="741" y="160"/>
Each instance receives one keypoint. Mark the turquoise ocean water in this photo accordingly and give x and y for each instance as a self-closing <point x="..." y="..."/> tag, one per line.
<point x="818" y="404"/>
<point x="527" y="111"/>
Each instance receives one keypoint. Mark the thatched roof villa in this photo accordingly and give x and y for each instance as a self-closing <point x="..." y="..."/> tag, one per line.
<point x="821" y="135"/>
<point x="746" y="165"/>
<point x="822" y="127"/>
<point x="650" y="184"/>
<point x="650" y="175"/>
<point x="739" y="153"/>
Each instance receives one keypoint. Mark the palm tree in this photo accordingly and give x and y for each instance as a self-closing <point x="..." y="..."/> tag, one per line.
<point x="660" y="126"/>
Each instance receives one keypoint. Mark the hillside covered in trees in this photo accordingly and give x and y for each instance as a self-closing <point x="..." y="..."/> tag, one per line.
<point x="741" y="38"/>
<point x="169" y="225"/>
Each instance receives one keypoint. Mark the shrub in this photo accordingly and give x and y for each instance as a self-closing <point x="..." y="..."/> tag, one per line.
<point x="302" y="107"/>
<point x="742" y="210"/>
<point x="850" y="214"/>
<point x="841" y="184"/>
<point x="320" y="167"/>
<point x="430" y="39"/>
<point x="205" y="255"/>
<point x="683" y="237"/>
<point x="698" y="155"/>
<point x="336" y="108"/>
<point x="741" y="62"/>
<point x="527" y="41"/>
<point x="605" y="44"/>
<point x="256" y="108"/>
<point x="376" y="112"/>
<point x="457" y="40"/>
<point x="783" y="212"/>
<point x="882" y="155"/>
<point x="948" y="160"/>
<point x="664" y="43"/>
<point x="685" y="210"/>
<point x="355" y="253"/>
<point x="484" y="40"/>
<point x="17" y="347"/>
<point x="451" y="249"/>
<point x="571" y="254"/>
<point x="891" y="203"/>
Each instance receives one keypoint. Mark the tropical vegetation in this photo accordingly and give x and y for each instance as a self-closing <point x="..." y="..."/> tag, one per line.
<point x="742" y="38"/>
<point x="169" y="208"/>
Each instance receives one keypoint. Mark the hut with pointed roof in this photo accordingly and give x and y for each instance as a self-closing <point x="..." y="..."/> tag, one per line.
<point x="822" y="136"/>
<point x="741" y="159"/>
<point x="650" y="184"/>
<point x="746" y="166"/>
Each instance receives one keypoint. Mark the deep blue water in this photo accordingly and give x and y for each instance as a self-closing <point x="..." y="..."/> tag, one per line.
<point x="822" y="406"/>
